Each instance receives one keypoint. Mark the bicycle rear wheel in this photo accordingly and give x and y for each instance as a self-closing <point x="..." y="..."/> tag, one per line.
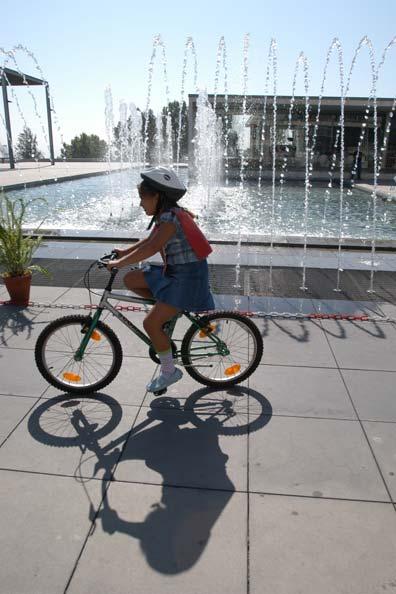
<point x="204" y="359"/>
<point x="57" y="345"/>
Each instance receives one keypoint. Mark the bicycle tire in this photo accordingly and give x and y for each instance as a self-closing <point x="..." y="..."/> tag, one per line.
<point x="236" y="411"/>
<point x="65" y="386"/>
<point x="191" y="334"/>
<point x="51" y="422"/>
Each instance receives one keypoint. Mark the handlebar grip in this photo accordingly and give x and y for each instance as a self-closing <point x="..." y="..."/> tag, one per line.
<point x="107" y="258"/>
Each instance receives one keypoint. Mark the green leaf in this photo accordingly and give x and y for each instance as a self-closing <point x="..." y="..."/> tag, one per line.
<point x="16" y="250"/>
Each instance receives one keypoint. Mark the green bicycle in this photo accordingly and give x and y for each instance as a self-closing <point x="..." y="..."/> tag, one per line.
<point x="81" y="354"/>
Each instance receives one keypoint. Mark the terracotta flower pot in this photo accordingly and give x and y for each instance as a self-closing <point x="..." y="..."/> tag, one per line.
<point x="18" y="288"/>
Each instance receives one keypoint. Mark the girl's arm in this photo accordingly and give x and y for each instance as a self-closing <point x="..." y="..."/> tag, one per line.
<point x="121" y="253"/>
<point x="153" y="244"/>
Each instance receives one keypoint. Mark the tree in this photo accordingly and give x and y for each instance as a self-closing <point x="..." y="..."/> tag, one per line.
<point x="174" y="111"/>
<point x="27" y="145"/>
<point x="151" y="133"/>
<point x="173" y="108"/>
<point x="85" y="147"/>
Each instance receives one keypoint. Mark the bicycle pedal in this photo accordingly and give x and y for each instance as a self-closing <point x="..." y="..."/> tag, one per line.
<point x="160" y="392"/>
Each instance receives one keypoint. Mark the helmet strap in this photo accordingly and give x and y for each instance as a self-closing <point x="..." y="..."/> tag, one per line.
<point x="157" y="211"/>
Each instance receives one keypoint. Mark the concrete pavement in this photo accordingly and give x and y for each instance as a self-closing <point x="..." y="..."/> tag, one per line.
<point x="31" y="173"/>
<point x="294" y="493"/>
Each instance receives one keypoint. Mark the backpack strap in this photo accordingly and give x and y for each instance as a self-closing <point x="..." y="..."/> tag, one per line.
<point x="197" y="240"/>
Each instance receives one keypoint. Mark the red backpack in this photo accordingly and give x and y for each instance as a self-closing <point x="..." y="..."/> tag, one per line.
<point x="193" y="233"/>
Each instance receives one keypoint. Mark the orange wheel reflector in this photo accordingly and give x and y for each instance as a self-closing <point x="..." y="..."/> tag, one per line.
<point x="95" y="335"/>
<point x="71" y="377"/>
<point x="233" y="370"/>
<point x="205" y="331"/>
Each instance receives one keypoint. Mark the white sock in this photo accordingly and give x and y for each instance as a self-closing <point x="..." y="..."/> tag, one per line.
<point x="167" y="364"/>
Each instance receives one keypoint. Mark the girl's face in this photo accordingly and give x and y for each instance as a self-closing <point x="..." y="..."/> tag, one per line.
<point x="149" y="203"/>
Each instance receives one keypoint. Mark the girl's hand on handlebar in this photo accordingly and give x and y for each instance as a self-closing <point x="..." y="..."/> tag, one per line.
<point x="112" y="264"/>
<point x="119" y="252"/>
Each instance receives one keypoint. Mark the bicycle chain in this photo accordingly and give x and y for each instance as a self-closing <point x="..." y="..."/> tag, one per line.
<point x="250" y="314"/>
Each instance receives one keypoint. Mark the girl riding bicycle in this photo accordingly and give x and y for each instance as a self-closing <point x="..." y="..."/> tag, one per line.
<point x="182" y="282"/>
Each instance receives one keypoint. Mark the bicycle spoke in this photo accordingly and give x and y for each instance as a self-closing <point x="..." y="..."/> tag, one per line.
<point x="59" y="354"/>
<point x="205" y="356"/>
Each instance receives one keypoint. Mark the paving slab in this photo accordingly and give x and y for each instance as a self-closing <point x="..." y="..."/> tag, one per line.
<point x="128" y="388"/>
<point x="171" y="450"/>
<point x="12" y="410"/>
<point x="35" y="319"/>
<point x="46" y="441"/>
<point x="37" y="174"/>
<point x="78" y="296"/>
<point x="295" y="342"/>
<point x="152" y="539"/>
<point x="16" y="322"/>
<point x="372" y="393"/>
<point x="309" y="545"/>
<point x="131" y="344"/>
<point x="45" y="520"/>
<point x="357" y="308"/>
<point x="55" y="250"/>
<point x="382" y="438"/>
<point x="19" y="375"/>
<point x="302" y="391"/>
<point x="46" y="294"/>
<point x="362" y="345"/>
<point x="292" y="425"/>
<point x="314" y="457"/>
<point x="189" y="388"/>
<point x="280" y="305"/>
<point x="24" y="327"/>
<point x="388" y="309"/>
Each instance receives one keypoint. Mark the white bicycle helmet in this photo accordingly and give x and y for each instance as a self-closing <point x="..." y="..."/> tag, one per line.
<point x="166" y="181"/>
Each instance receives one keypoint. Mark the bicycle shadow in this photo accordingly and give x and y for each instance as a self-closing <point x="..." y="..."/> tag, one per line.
<point x="182" y="446"/>
<point x="176" y="530"/>
<point x="195" y="485"/>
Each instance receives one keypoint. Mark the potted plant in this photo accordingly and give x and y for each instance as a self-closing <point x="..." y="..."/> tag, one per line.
<point x="17" y="249"/>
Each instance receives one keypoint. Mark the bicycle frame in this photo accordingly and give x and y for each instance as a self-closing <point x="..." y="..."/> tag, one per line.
<point x="104" y="304"/>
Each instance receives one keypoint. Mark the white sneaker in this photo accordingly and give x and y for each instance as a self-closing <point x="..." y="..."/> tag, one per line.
<point x="163" y="381"/>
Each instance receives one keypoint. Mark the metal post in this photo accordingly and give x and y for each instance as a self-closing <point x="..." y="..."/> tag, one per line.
<point x="51" y="140"/>
<point x="8" y="122"/>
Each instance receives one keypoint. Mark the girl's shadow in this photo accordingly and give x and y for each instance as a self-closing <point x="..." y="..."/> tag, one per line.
<point x="196" y="487"/>
<point x="179" y="443"/>
<point x="175" y="531"/>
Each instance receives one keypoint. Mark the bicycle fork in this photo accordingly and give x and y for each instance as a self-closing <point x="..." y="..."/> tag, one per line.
<point x="89" y="333"/>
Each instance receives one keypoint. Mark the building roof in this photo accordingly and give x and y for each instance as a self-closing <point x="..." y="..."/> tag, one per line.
<point x="15" y="78"/>
<point x="327" y="102"/>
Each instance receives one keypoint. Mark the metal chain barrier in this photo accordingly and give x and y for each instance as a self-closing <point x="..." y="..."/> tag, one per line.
<point x="251" y="314"/>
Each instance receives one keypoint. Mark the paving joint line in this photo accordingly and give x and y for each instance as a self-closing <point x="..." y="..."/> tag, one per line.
<point x="202" y="488"/>
<point x="104" y="495"/>
<point x="199" y="488"/>
<point x="362" y="427"/>
<point x="20" y="422"/>
<point x="183" y="410"/>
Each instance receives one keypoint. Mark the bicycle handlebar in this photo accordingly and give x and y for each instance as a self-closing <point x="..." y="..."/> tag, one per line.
<point x="102" y="262"/>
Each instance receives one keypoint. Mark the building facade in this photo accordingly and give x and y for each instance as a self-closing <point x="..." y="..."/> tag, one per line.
<point x="282" y="134"/>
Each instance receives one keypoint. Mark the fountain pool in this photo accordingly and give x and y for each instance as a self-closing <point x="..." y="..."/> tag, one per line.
<point x="111" y="203"/>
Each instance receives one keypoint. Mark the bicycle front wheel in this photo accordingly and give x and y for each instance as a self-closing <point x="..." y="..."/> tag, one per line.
<point x="231" y="358"/>
<point x="55" y="356"/>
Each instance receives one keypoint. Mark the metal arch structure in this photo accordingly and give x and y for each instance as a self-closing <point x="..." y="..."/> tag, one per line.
<point x="17" y="79"/>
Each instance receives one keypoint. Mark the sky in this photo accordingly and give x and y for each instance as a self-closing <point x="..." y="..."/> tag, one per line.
<point x="84" y="46"/>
